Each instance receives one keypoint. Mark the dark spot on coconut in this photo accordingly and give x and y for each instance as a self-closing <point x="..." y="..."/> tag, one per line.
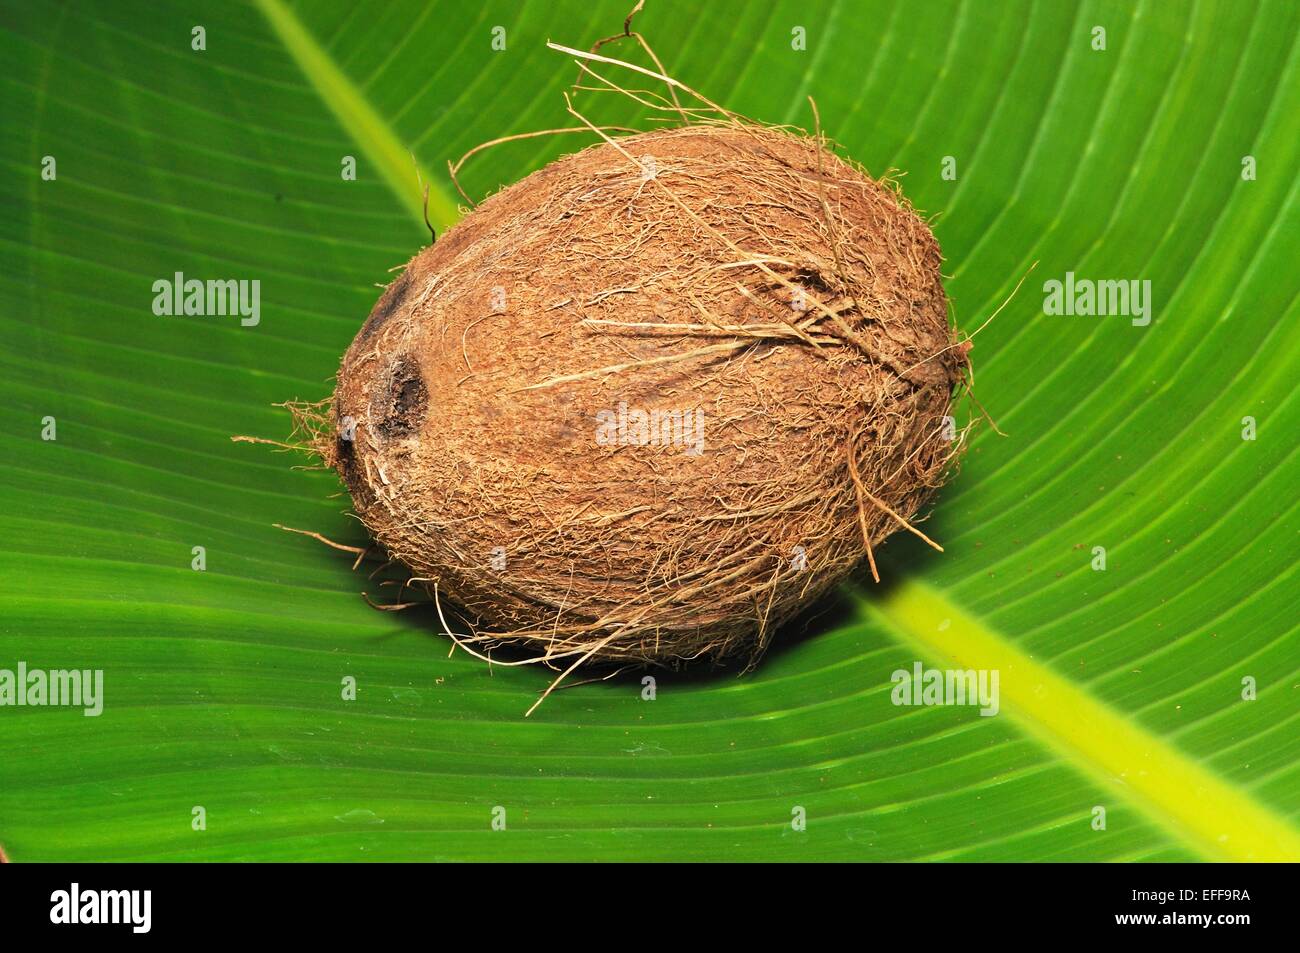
<point x="407" y="397"/>
<point x="349" y="467"/>
<point x="389" y="302"/>
<point x="810" y="279"/>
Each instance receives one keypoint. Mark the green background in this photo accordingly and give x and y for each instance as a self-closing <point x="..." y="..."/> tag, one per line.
<point x="223" y="687"/>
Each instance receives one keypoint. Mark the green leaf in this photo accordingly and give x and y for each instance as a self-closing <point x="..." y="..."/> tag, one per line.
<point x="1120" y="689"/>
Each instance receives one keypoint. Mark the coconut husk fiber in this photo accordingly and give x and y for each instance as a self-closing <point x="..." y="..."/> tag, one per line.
<point x="785" y="306"/>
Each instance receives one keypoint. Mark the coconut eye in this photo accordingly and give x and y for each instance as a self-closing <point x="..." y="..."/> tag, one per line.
<point x="407" y="397"/>
<point x="345" y="458"/>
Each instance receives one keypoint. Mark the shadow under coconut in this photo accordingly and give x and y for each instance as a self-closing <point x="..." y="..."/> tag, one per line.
<point x="903" y="556"/>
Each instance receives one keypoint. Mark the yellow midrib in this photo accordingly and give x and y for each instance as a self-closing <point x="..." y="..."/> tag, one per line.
<point x="371" y="133"/>
<point x="1215" y="817"/>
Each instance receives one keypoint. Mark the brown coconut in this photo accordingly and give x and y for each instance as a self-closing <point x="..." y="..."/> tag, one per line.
<point x="733" y="283"/>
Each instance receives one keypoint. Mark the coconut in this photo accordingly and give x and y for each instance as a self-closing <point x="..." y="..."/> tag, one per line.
<point x="655" y="398"/>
